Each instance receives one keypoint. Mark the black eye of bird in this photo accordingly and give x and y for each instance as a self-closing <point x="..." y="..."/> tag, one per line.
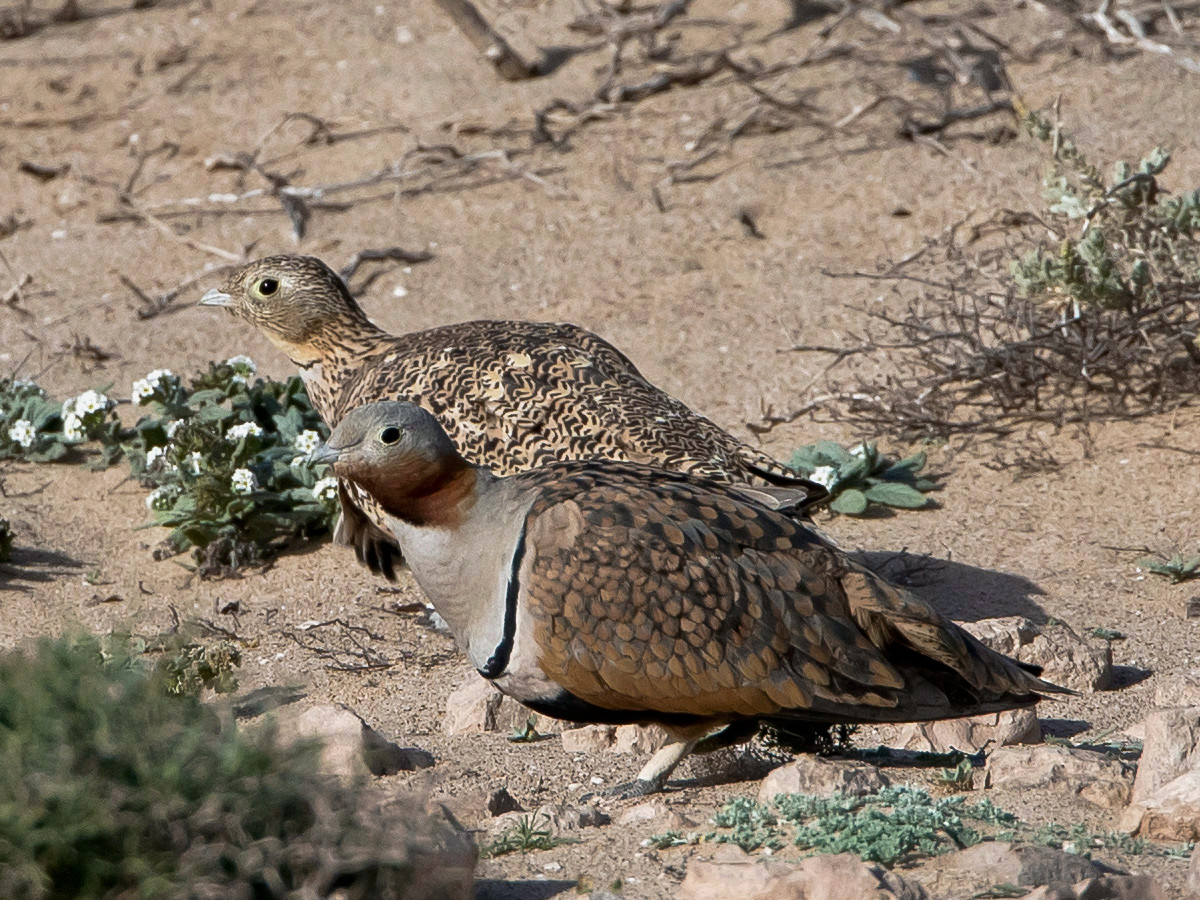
<point x="268" y="286"/>
<point x="390" y="435"/>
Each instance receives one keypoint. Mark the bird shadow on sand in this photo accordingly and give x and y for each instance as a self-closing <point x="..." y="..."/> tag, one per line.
<point x="962" y="592"/>
<point x="28" y="567"/>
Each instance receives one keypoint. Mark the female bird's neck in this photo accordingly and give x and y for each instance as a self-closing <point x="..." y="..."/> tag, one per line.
<point x="330" y="356"/>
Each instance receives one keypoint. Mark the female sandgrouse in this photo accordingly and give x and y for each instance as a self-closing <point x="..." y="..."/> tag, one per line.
<point x="613" y="592"/>
<point x="512" y="395"/>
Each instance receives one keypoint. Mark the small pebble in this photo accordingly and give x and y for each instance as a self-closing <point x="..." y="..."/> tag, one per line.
<point x="596" y="779"/>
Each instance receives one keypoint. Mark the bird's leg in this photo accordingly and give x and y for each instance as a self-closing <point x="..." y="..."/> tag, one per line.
<point x="654" y="774"/>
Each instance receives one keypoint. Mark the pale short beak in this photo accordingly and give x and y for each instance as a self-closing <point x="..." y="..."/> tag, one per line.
<point x="213" y="297"/>
<point x="324" y="455"/>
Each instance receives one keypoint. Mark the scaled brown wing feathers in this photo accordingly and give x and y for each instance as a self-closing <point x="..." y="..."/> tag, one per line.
<point x="654" y="593"/>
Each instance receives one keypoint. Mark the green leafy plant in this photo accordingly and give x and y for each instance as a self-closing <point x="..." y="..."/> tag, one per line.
<point x="1135" y="242"/>
<point x="886" y="827"/>
<point x="892" y="825"/>
<point x="227" y="463"/>
<point x="225" y="458"/>
<point x="526" y="734"/>
<point x="752" y="824"/>
<point x="861" y="476"/>
<point x="1178" y="568"/>
<point x="524" y="835"/>
<point x="111" y="787"/>
<point x="957" y="778"/>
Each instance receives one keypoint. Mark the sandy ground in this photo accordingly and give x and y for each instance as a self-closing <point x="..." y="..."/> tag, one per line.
<point x="706" y="310"/>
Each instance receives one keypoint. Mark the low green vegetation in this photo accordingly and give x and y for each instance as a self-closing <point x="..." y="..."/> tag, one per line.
<point x="224" y="458"/>
<point x="532" y="832"/>
<point x="118" y="782"/>
<point x="862" y="477"/>
<point x="1080" y="310"/>
<point x="1178" y="568"/>
<point x="893" y="825"/>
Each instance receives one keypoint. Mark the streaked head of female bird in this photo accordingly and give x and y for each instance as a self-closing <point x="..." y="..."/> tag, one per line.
<point x="293" y="300"/>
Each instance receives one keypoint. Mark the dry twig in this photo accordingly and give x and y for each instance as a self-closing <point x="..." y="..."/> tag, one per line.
<point x="508" y="63"/>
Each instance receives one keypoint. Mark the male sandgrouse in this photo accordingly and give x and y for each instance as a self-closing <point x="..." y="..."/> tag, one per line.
<point x="613" y="592"/>
<point x="512" y="395"/>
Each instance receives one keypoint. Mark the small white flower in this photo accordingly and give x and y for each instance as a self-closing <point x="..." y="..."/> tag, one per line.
<point x="245" y="429"/>
<point x="859" y="450"/>
<point x="145" y="389"/>
<point x="142" y="391"/>
<point x="306" y="441"/>
<point x="154" y="458"/>
<point x="826" y="476"/>
<point x="91" y="402"/>
<point x="193" y="462"/>
<point x="161" y="497"/>
<point x="244" y="482"/>
<point x="243" y="368"/>
<point x="22" y="433"/>
<point x="73" y="431"/>
<point x="325" y="489"/>
<point x="172" y="427"/>
<point x="242" y="363"/>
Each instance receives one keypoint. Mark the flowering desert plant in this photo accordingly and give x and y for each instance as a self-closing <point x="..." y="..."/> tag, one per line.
<point x="225" y="458"/>
<point x="228" y="462"/>
<point x="862" y="476"/>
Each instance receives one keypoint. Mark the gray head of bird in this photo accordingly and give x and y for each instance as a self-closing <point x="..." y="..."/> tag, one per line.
<point x="296" y="301"/>
<point x="399" y="453"/>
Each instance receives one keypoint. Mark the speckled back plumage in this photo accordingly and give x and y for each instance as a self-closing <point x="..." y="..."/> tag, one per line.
<point x="662" y="593"/>
<point x="517" y="395"/>
<point x="511" y="395"/>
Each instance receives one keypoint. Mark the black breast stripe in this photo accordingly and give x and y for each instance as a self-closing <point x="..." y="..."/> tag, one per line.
<point x="495" y="666"/>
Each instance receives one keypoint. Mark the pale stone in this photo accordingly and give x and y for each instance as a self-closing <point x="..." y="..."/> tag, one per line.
<point x="1171" y="747"/>
<point x="826" y="877"/>
<point x="349" y="746"/>
<point x="1096" y="777"/>
<point x="589" y="739"/>
<point x="1191" y="887"/>
<point x="814" y="775"/>
<point x="475" y="706"/>
<point x="972" y="734"/>
<point x="1171" y="813"/>
<point x="1105" y="887"/>
<point x="1028" y="865"/>
<point x="657" y="813"/>
<point x="640" y="739"/>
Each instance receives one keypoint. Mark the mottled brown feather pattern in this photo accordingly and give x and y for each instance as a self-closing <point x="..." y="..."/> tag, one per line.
<point x="657" y="592"/>
<point x="511" y="395"/>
